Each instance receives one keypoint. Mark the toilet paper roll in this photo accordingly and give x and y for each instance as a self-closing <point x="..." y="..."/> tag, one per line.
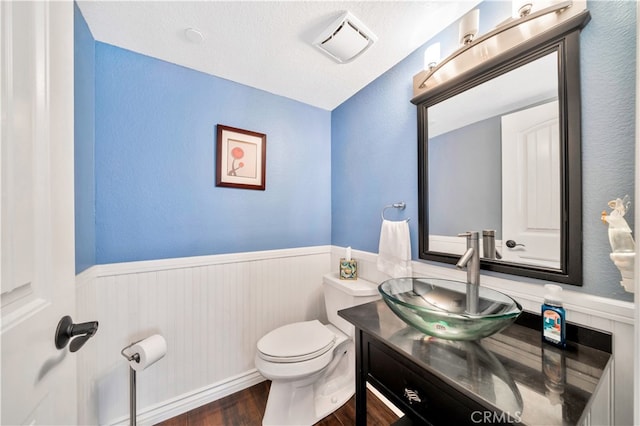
<point x="150" y="350"/>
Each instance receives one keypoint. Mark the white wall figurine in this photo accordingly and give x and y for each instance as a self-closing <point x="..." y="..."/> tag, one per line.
<point x="622" y="244"/>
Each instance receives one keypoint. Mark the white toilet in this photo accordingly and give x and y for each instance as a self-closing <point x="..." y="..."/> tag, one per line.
<point x="312" y="366"/>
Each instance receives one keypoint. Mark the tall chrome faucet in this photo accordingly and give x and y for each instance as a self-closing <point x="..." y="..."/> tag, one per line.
<point x="471" y="260"/>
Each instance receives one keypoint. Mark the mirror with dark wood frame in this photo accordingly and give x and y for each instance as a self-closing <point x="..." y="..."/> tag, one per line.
<point x="499" y="151"/>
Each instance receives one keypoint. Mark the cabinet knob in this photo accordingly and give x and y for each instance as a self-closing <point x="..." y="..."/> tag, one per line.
<point x="411" y="395"/>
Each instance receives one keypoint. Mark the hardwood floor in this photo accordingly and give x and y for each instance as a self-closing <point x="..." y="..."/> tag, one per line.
<point x="245" y="408"/>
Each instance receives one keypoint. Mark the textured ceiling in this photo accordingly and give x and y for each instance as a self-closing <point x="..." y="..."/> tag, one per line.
<point x="267" y="44"/>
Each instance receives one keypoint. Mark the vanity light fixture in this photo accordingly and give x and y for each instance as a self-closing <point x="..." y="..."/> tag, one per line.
<point x="476" y="51"/>
<point x="345" y="39"/>
<point x="432" y="56"/>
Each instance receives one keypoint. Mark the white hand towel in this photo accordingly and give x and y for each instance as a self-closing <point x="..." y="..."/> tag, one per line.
<point x="394" y="251"/>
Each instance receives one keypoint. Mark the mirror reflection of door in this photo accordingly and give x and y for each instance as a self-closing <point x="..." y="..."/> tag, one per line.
<point x="468" y="169"/>
<point x="531" y="186"/>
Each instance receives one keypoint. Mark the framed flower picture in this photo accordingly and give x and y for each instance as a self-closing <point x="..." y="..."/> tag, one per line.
<point x="240" y="158"/>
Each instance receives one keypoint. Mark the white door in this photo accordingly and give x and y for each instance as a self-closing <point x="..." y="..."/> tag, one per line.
<point x="531" y="186"/>
<point x="37" y="232"/>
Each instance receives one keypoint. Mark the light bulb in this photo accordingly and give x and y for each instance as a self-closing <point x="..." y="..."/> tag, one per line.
<point x="468" y="27"/>
<point x="432" y="56"/>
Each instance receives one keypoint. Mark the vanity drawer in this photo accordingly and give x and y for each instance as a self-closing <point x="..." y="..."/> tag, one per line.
<point x="419" y="394"/>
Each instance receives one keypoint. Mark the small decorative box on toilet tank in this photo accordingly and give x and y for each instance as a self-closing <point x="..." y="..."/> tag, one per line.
<point x="348" y="269"/>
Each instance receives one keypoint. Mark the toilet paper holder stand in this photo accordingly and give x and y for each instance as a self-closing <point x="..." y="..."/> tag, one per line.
<point x="132" y="381"/>
<point x="142" y="358"/>
<point x="134" y="357"/>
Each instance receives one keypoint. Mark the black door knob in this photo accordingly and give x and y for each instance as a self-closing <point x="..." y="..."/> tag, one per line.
<point x="67" y="330"/>
<point x="512" y="244"/>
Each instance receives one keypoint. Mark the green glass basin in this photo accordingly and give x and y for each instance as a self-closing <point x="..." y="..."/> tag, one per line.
<point x="437" y="307"/>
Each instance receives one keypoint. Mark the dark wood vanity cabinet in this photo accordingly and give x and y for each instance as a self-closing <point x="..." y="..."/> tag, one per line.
<point x="511" y="377"/>
<point x="424" y="398"/>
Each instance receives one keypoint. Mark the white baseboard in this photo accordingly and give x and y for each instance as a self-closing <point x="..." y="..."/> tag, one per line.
<point x="192" y="400"/>
<point x="167" y="409"/>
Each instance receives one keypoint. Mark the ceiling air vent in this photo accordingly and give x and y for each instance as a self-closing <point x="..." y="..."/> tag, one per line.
<point x="345" y="39"/>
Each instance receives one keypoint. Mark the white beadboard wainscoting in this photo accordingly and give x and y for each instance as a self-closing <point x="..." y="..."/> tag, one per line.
<point x="212" y="310"/>
<point x="615" y="404"/>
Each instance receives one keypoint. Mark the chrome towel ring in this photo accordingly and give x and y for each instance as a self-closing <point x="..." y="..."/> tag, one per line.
<point x="401" y="206"/>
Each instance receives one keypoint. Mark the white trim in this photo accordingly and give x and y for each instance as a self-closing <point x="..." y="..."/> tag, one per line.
<point x="86" y="277"/>
<point x="113" y="269"/>
<point x="530" y="295"/>
<point x="184" y="299"/>
<point x="448" y="244"/>
<point x="22" y="313"/>
<point x="188" y="401"/>
<point x="455" y="245"/>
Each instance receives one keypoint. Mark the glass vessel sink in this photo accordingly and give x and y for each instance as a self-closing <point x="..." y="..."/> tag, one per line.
<point x="437" y="307"/>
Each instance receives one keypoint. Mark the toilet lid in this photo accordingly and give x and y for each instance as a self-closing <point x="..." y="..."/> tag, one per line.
<point x="296" y="342"/>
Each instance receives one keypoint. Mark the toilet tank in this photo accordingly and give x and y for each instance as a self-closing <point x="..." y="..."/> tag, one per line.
<point x="341" y="294"/>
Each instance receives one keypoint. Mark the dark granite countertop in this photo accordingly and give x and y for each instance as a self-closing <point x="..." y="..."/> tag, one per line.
<point x="513" y="371"/>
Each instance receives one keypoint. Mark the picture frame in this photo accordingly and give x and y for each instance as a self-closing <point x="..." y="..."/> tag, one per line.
<point x="240" y="158"/>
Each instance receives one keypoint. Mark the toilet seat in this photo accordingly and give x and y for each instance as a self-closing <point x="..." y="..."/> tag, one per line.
<point x="297" y="342"/>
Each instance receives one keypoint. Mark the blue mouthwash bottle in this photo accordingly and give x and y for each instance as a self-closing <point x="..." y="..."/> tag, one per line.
<point x="553" y="317"/>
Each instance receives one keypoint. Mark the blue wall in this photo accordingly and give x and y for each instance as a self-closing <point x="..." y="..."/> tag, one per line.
<point x="374" y="139"/>
<point x="374" y="134"/>
<point x="84" y="122"/>
<point x="155" y="164"/>
<point x="328" y="173"/>
<point x="608" y="78"/>
<point x="481" y="205"/>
